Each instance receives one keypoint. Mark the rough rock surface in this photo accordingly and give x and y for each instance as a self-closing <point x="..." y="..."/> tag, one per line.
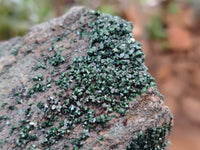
<point x="79" y="82"/>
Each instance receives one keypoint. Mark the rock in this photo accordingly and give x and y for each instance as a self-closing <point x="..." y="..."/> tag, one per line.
<point x="79" y="82"/>
<point x="179" y="38"/>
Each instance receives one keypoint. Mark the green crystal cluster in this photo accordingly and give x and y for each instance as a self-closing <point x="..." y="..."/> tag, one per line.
<point x="113" y="71"/>
<point x="151" y="138"/>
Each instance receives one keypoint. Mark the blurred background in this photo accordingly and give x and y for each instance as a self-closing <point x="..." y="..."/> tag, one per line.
<point x="170" y="33"/>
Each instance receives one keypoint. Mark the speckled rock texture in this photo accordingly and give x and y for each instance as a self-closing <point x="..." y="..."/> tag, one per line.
<point x="79" y="82"/>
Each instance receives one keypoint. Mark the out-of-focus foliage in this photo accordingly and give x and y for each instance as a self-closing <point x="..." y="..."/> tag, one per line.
<point x="156" y="29"/>
<point x="109" y="9"/>
<point x="17" y="16"/>
<point x="172" y="7"/>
